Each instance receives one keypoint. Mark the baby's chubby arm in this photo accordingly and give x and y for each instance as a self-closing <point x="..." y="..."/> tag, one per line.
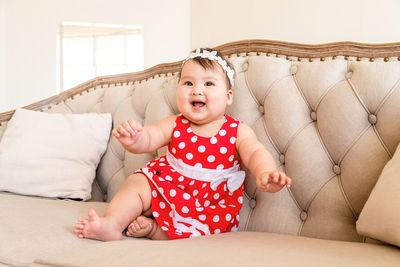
<point x="138" y="139"/>
<point x="259" y="161"/>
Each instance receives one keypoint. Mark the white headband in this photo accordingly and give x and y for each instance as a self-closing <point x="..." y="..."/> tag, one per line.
<point x="213" y="56"/>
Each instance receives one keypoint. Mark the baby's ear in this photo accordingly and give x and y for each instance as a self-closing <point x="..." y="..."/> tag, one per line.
<point x="229" y="95"/>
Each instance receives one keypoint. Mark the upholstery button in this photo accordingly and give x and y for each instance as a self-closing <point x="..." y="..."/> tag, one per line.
<point x="252" y="203"/>
<point x="245" y="66"/>
<point x="349" y="75"/>
<point x="293" y="69"/>
<point x="372" y="118"/>
<point x="336" y="169"/>
<point x="313" y="115"/>
<point x="282" y="158"/>
<point x="261" y="109"/>
<point x="303" y="215"/>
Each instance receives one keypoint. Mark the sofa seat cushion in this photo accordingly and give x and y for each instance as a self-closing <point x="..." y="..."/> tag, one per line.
<point x="33" y="227"/>
<point x="229" y="249"/>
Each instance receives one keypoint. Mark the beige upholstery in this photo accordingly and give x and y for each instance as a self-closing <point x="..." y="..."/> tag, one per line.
<point x="331" y="123"/>
<point x="229" y="249"/>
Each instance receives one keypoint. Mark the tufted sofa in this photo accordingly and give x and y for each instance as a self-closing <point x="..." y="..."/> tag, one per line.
<point x="330" y="116"/>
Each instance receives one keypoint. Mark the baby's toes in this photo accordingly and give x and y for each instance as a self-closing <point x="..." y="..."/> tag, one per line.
<point x="131" y="229"/>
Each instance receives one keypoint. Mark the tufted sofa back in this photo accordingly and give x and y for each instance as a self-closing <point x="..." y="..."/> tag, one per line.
<point x="329" y="115"/>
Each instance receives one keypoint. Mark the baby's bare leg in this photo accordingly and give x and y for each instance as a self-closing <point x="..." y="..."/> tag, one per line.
<point x="133" y="198"/>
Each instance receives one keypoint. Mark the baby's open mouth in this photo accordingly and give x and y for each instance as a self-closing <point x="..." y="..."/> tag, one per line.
<point x="198" y="104"/>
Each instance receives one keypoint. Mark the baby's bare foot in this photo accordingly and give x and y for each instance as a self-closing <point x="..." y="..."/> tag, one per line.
<point x="142" y="226"/>
<point x="96" y="227"/>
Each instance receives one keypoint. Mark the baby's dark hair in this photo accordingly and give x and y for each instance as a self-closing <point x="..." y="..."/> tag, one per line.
<point x="209" y="64"/>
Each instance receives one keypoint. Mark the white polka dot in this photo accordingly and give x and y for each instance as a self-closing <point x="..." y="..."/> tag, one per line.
<point x="216" y="196"/>
<point x="162" y="159"/>
<point x="207" y="203"/>
<point x="185" y="121"/>
<point x="200" y="209"/>
<point x="162" y="205"/>
<point x="233" y="124"/>
<point x="197" y="203"/>
<point x="161" y="190"/>
<point x="216" y="218"/>
<point x="228" y="217"/>
<point x="168" y="178"/>
<point x="172" y="193"/>
<point x="156" y="214"/>
<point x="152" y="164"/>
<point x="202" y="217"/>
<point x="211" y="158"/>
<point x="224" y="187"/>
<point x="189" y="130"/>
<point x="237" y="217"/>
<point x="181" y="179"/>
<point x="195" y="192"/>
<point x="171" y="214"/>
<point x="222" y="201"/>
<point x="161" y="179"/>
<point x="223" y="150"/>
<point x="201" y="149"/>
<point x="198" y="165"/>
<point x="217" y="231"/>
<point x="213" y="140"/>
<point x="173" y="150"/>
<point x="222" y="132"/>
<point x="177" y="134"/>
<point x="181" y="187"/>
<point x="174" y="124"/>
<point x="222" y="206"/>
<point x="164" y="228"/>
<point x="185" y="209"/>
<point x="181" y="145"/>
<point x="192" y="182"/>
<point x="231" y="158"/>
<point x="220" y="167"/>
<point x="186" y="196"/>
<point x="189" y="156"/>
<point x="205" y="195"/>
<point x="240" y="200"/>
<point x="154" y="193"/>
<point x="213" y="207"/>
<point x="166" y="223"/>
<point x="193" y="139"/>
<point x="204" y="185"/>
<point x="163" y="164"/>
<point x="232" y="140"/>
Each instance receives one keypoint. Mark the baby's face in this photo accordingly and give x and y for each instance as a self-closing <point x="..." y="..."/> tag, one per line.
<point x="202" y="94"/>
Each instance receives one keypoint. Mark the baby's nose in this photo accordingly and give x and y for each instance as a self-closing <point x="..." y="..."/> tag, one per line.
<point x="197" y="91"/>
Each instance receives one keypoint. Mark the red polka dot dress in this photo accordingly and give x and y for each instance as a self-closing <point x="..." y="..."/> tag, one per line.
<point x="197" y="187"/>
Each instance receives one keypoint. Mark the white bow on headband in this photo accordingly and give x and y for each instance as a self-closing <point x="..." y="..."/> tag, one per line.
<point x="212" y="55"/>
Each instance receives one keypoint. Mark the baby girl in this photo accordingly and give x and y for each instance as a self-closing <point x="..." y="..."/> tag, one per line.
<point x="197" y="187"/>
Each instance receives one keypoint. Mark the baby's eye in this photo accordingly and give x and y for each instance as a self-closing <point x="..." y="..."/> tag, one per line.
<point x="188" y="83"/>
<point x="209" y="83"/>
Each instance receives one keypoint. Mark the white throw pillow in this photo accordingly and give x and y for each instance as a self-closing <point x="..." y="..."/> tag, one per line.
<point x="52" y="155"/>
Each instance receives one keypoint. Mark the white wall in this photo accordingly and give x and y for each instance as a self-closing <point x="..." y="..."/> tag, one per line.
<point x="306" y="21"/>
<point x="30" y="38"/>
<point x="2" y="57"/>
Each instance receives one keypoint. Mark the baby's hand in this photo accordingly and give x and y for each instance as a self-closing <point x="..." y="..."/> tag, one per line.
<point x="128" y="133"/>
<point x="272" y="181"/>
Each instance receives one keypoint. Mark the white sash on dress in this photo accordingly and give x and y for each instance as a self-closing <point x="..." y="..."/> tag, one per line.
<point x="234" y="176"/>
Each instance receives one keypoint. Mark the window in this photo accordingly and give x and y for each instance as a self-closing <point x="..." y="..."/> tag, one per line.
<point x="91" y="50"/>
